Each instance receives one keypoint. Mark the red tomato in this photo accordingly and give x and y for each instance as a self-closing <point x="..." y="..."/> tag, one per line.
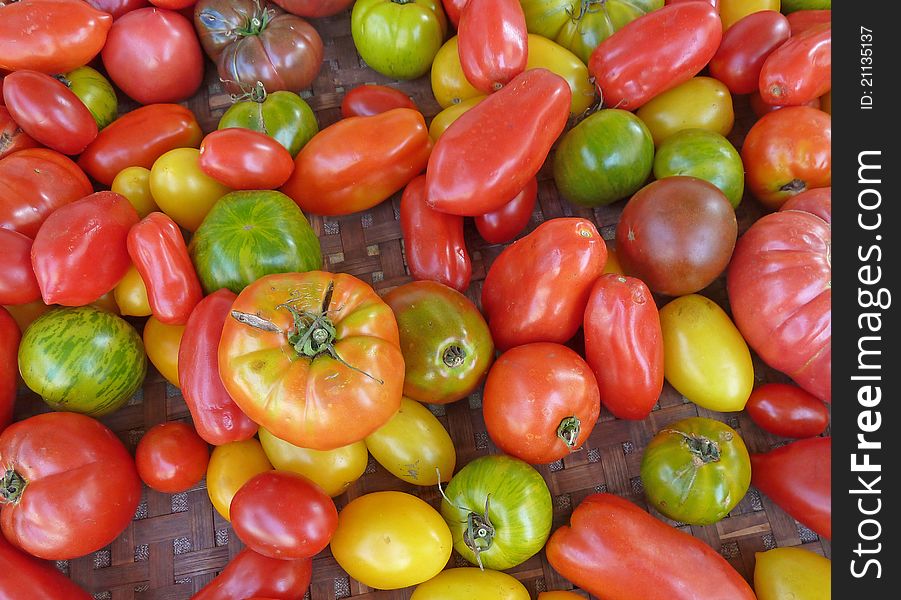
<point x="153" y="56"/>
<point x="50" y="36"/>
<point x="171" y="457"/>
<point x="367" y="100"/>
<point x="537" y="289"/>
<point x="744" y="48"/>
<point x="34" y="183"/>
<point x="686" y="36"/>
<point x="314" y="8"/>
<point x="540" y="402"/>
<point x="117" y="8"/>
<point x="18" y="284"/>
<point x="494" y="149"/>
<point x="253" y="575"/>
<point x="801" y="20"/>
<point x="138" y="138"/>
<point x="624" y="345"/>
<point x="79" y="253"/>
<point x="760" y="108"/>
<point x="12" y="137"/>
<point x="216" y="416"/>
<point x="502" y="225"/>
<point x="23" y="576"/>
<point x="9" y="366"/>
<point x="787" y="410"/>
<point x="433" y="241"/>
<point x="492" y="43"/>
<point x="714" y="3"/>
<point x="158" y="251"/>
<point x="817" y="201"/>
<point x="786" y="152"/>
<point x="283" y="515"/>
<point x="66" y="468"/>
<point x="173" y="4"/>
<point x="244" y="159"/>
<point x="798" y="478"/>
<point x="800" y="69"/>
<point x="453" y="9"/>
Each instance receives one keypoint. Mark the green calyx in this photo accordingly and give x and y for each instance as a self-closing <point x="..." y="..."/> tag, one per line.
<point x="568" y="431"/>
<point x="11" y="487"/>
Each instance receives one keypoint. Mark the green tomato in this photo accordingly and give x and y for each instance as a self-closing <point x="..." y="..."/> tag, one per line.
<point x="398" y="38"/>
<point x="282" y="115"/>
<point x="499" y="511"/>
<point x="703" y="154"/>
<point x="696" y="470"/>
<point x="605" y="158"/>
<point x="95" y="91"/>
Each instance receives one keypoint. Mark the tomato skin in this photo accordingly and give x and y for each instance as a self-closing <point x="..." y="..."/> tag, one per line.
<point x="504" y="224"/>
<point x="253" y="575"/>
<point x="537" y="289"/>
<point x="732" y="11"/>
<point x="760" y="108"/>
<point x="798" y="478"/>
<point x="461" y="583"/>
<point x="23" y="576"/>
<point x="332" y="470"/>
<point x="802" y="20"/>
<point x="817" y="201"/>
<point x="787" y="411"/>
<point x="217" y="418"/>
<point x="95" y="92"/>
<point x="231" y="465"/>
<point x="80" y="253"/>
<point x="283" y="115"/>
<point x="245" y="160"/>
<point x="130" y="295"/>
<point x="492" y="43"/>
<point x="75" y="469"/>
<point x="369" y="99"/>
<point x="624" y="345"/>
<point x="515" y="129"/>
<point x="117" y="8"/>
<point x="171" y="457"/>
<point x="134" y="184"/>
<point x="9" y="366"/>
<point x="745" y="47"/>
<point x="689" y="35"/>
<point x="161" y="342"/>
<point x="18" y="284"/>
<point x="453" y="9"/>
<point x="434" y="245"/>
<point x="138" y="138"/>
<point x="699" y="103"/>
<point x="706" y="155"/>
<point x="12" y="137"/>
<point x="792" y="572"/>
<point x="359" y="162"/>
<point x="800" y="69"/>
<point x="182" y="190"/>
<point x="314" y="8"/>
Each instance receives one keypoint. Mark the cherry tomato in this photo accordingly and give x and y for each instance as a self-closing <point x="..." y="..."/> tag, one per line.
<point x="799" y="70"/>
<point x="131" y="295"/>
<point x="369" y="99"/>
<point x="492" y="43"/>
<point x="231" y="466"/>
<point x="134" y="184"/>
<point x="744" y="48"/>
<point x="787" y="410"/>
<point x="243" y="159"/>
<point x="502" y="225"/>
<point x="181" y="189"/>
<point x="18" y="284"/>
<point x="171" y="457"/>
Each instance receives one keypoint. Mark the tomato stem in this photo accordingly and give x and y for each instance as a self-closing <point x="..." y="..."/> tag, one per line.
<point x="11" y="487"/>
<point x="702" y="447"/>
<point x="796" y="186"/>
<point x="568" y="431"/>
<point x="453" y="356"/>
<point x="479" y="532"/>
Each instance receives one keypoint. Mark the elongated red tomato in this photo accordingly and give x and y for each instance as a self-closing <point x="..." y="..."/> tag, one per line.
<point x="624" y="345"/>
<point x="433" y="241"/>
<point x="744" y="48"/>
<point x="490" y="153"/>
<point x="492" y="43"/>
<point x="18" y="284"/>
<point x="685" y="37"/>
<point x="370" y="99"/>
<point x="787" y="410"/>
<point x="9" y="366"/>
<point x="159" y="253"/>
<point x="252" y="575"/>
<point x="12" y="137"/>
<point x="800" y="69"/>
<point x="502" y="225"/>
<point x="24" y="576"/>
<point x="801" y="20"/>
<point x="216" y="417"/>
<point x="244" y="159"/>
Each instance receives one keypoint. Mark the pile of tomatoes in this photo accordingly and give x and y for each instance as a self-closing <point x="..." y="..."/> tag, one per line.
<point x="137" y="237"/>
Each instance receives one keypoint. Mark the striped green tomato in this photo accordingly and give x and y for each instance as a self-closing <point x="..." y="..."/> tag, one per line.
<point x="282" y="115"/>
<point x="96" y="92"/>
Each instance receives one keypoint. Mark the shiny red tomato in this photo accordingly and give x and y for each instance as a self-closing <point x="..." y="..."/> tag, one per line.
<point x="492" y="43"/>
<point x="502" y="225"/>
<point x="23" y="576"/>
<point x="787" y="410"/>
<point x="369" y="99"/>
<point x="453" y="9"/>
<point x="801" y="20"/>
<point x="117" y="8"/>
<point x="12" y="137"/>
<point x="744" y="48"/>
<point x="817" y="201"/>
<point x="800" y="69"/>
<point x="251" y="575"/>
<point x="18" y="284"/>
<point x="314" y="8"/>
<point x="9" y="366"/>
<point x="760" y="108"/>
<point x="244" y="159"/>
<point x="173" y="4"/>
<point x="171" y="457"/>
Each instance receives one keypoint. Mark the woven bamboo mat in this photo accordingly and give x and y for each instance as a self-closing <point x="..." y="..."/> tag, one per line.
<point x="178" y="543"/>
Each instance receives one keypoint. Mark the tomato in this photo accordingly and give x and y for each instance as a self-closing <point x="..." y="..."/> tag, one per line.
<point x="357" y="163"/>
<point x="504" y="224"/>
<point x="9" y="366"/>
<point x="492" y="42"/>
<point x="153" y="55"/>
<point x="131" y="295"/>
<point x="250" y="234"/>
<point x="79" y="253"/>
<point x="181" y="189"/>
<point x="706" y="155"/>
<point x="792" y="573"/>
<point x="216" y="416"/>
<point x="171" y="457"/>
<point x="117" y="8"/>
<point x="398" y="39"/>
<point x="801" y="20"/>
<point x="687" y="36"/>
<point x="283" y="515"/>
<point x="65" y="468"/>
<point x="496" y="147"/>
<point x="414" y="446"/>
<point x="253" y="575"/>
<point x="95" y="91"/>
<point x="817" y="201"/>
<point x="732" y="11"/>
<point x="12" y="137"/>
<point x="780" y="289"/>
<point x="283" y="115"/>
<point x="699" y="103"/>
<point x="787" y="411"/>
<point x="433" y="241"/>
<point x="453" y="9"/>
<point x="161" y="342"/>
<point x="760" y="108"/>
<point x="449" y="83"/>
<point x="107" y="302"/>
<point x="23" y="576"/>
<point x="744" y="48"/>
<point x="624" y="345"/>
<point x="61" y="34"/>
<point x="313" y="357"/>
<point x="540" y="402"/>
<point x="390" y="540"/>
<point x="252" y="42"/>
<point x="800" y="69"/>
<point x="606" y="157"/>
<point x="560" y="595"/>
<point x="26" y="314"/>
<point x="614" y="550"/>
<point x="791" y="6"/>
<point x="499" y="511"/>
<point x="613" y="265"/>
<point x="705" y="357"/>
<point x="537" y="289"/>
<point x="231" y="465"/>
<point x="244" y="159"/>
<point x="368" y="99"/>
<point x="314" y="8"/>
<point x="18" y="284"/>
<point x="332" y="470"/>
<point x="798" y="478"/>
<point x="35" y="182"/>
<point x="447" y="116"/>
<point x="138" y="138"/>
<point x="463" y="583"/>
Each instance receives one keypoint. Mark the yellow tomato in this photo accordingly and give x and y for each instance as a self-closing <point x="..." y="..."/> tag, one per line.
<point x="391" y="540"/>
<point x="443" y="120"/>
<point x="332" y="470"/>
<point x="466" y="583"/>
<point x="231" y="466"/>
<point x="792" y="573"/>
<point x="704" y="356"/>
<point x="560" y="595"/>
<point x="413" y="445"/>
<point x="449" y="84"/>
<point x="131" y="295"/>
<point x="181" y="189"/>
<point x="699" y="103"/>
<point x="134" y="184"/>
<point x="25" y="314"/>
<point x="107" y="302"/>
<point x="732" y="11"/>
<point x="612" y="265"/>
<point x="161" y="341"/>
